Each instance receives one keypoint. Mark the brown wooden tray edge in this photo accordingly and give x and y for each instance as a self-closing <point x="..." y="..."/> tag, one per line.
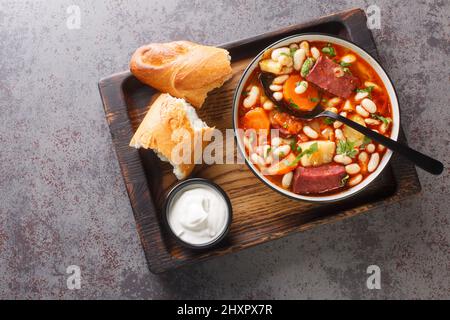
<point x="395" y="197"/>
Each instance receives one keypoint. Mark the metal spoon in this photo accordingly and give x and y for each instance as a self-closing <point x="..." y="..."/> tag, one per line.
<point x="419" y="159"/>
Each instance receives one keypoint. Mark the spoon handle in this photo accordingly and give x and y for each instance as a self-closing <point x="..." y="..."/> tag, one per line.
<point x="419" y="159"/>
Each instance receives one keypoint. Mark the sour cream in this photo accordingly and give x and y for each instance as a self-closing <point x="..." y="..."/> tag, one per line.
<point x="198" y="214"/>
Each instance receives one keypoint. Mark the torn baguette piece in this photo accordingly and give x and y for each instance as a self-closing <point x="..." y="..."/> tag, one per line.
<point x="172" y="129"/>
<point x="184" y="69"/>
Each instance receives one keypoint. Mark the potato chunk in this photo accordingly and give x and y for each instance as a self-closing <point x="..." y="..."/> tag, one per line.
<point x="323" y="155"/>
<point x="268" y="65"/>
<point x="352" y="135"/>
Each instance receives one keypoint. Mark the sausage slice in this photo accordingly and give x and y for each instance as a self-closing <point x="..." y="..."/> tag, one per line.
<point x="331" y="77"/>
<point x="313" y="180"/>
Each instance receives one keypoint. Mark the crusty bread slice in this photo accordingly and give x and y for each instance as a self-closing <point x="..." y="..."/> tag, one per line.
<point x="172" y="129"/>
<point x="184" y="69"/>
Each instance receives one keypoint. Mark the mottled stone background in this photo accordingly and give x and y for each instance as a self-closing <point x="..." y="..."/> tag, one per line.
<point x="63" y="201"/>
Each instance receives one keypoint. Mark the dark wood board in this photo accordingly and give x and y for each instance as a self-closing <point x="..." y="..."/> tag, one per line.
<point x="260" y="214"/>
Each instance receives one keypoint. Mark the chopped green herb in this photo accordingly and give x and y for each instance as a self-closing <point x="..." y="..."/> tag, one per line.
<point x="285" y="125"/>
<point x="299" y="149"/>
<point x="314" y="99"/>
<point x="267" y="152"/>
<point x="285" y="54"/>
<point x="386" y="121"/>
<point x="367" y="89"/>
<point x="293" y="105"/>
<point x="345" y="64"/>
<point x="293" y="51"/>
<point x="293" y="145"/>
<point x="245" y="93"/>
<point x="328" y="121"/>
<point x="344" y="180"/>
<point x="347" y="70"/>
<point x="312" y="149"/>
<point x="329" y="50"/>
<point x="307" y="65"/>
<point x="346" y="148"/>
<point x="302" y="83"/>
<point x="366" y="141"/>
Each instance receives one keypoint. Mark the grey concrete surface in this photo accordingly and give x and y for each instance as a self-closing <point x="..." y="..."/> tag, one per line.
<point x="63" y="201"/>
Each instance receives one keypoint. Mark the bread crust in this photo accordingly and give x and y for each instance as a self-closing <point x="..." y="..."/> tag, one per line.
<point x="184" y="69"/>
<point x="165" y="127"/>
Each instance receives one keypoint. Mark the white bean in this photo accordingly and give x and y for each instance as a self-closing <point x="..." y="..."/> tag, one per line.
<point x="361" y="111"/>
<point x="280" y="79"/>
<point x="361" y="95"/>
<point x="339" y="134"/>
<point x="258" y="160"/>
<point x="315" y="53"/>
<point x="341" y="158"/>
<point x="278" y="95"/>
<point x="353" y="181"/>
<point x="353" y="168"/>
<point x="252" y="97"/>
<point x="277" y="53"/>
<point x="332" y="109"/>
<point x="268" y="105"/>
<point x="301" y="88"/>
<point x="299" y="58"/>
<point x="287" y="179"/>
<point x="372" y="84"/>
<point x="383" y="128"/>
<point x="310" y="132"/>
<point x="269" y="159"/>
<point x="348" y="58"/>
<point x="338" y="124"/>
<point x="363" y="157"/>
<point x="305" y="46"/>
<point x="333" y="102"/>
<point x="373" y="162"/>
<point x="372" y="122"/>
<point x="281" y="151"/>
<point x="370" y="148"/>
<point x="276" y="141"/>
<point x="369" y="105"/>
<point x="275" y="87"/>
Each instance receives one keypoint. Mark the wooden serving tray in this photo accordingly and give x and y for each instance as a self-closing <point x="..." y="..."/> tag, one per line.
<point x="260" y="214"/>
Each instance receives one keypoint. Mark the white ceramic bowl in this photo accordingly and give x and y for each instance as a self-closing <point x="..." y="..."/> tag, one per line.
<point x="386" y="81"/>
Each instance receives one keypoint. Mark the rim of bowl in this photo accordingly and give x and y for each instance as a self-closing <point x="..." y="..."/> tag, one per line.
<point x="381" y="72"/>
<point x="180" y="186"/>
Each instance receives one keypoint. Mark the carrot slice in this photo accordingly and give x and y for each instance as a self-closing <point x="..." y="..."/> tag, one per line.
<point x="305" y="101"/>
<point x="256" y="119"/>
<point x="283" y="166"/>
